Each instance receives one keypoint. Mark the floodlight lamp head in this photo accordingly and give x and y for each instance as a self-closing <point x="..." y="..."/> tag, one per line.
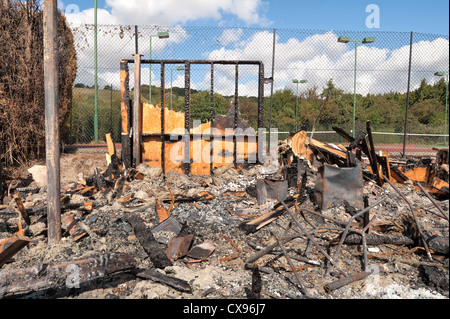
<point x="439" y="74"/>
<point x="368" y="40"/>
<point x="344" y="39"/>
<point x="163" y="35"/>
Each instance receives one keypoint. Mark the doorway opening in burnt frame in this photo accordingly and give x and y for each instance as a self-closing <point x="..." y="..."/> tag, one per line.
<point x="149" y="133"/>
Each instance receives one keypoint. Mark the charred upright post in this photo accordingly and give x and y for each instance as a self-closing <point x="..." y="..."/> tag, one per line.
<point x="261" y="111"/>
<point x="51" y="120"/>
<point x="211" y="140"/>
<point x="137" y="111"/>
<point x="163" y="119"/>
<point x="126" y="113"/>
<point x="187" y="118"/>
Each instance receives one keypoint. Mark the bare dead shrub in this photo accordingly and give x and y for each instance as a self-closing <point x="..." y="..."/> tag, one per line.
<point x="22" y="107"/>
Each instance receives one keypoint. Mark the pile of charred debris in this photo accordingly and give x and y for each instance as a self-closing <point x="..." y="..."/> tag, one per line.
<point x="317" y="221"/>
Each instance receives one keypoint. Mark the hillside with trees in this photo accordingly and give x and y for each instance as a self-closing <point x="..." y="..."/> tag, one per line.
<point x="329" y="105"/>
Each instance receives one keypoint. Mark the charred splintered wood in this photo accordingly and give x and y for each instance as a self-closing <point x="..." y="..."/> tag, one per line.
<point x="22" y="209"/>
<point x="351" y="210"/>
<point x="42" y="210"/>
<point x="269" y="248"/>
<point x="70" y="274"/>
<point x="256" y="282"/>
<point x="29" y="189"/>
<point x="345" y="281"/>
<point x="11" y="246"/>
<point x="438" y="244"/>
<point x="376" y="239"/>
<point x="278" y="210"/>
<point x="148" y="242"/>
<point x="176" y="283"/>
<point x="100" y="182"/>
<point x="373" y="155"/>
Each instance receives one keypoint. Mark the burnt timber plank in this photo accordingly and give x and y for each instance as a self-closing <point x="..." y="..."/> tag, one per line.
<point x="148" y="242"/>
<point x="11" y="246"/>
<point x="176" y="283"/>
<point x="41" y="277"/>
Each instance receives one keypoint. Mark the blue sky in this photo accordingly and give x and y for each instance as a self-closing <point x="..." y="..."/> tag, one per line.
<point x="246" y="34"/>
<point x="399" y="15"/>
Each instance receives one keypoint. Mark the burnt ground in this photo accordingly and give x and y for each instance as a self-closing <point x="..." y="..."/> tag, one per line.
<point x="407" y="272"/>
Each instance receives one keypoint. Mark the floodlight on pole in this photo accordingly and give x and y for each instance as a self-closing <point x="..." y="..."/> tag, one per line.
<point x="445" y="75"/>
<point x="160" y="35"/>
<point x="178" y="68"/>
<point x="366" y="40"/>
<point x="296" y="105"/>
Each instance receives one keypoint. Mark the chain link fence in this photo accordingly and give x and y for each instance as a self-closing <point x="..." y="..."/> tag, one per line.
<point x="314" y="80"/>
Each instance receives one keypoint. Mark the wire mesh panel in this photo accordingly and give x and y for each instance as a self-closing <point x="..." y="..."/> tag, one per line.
<point x="322" y="79"/>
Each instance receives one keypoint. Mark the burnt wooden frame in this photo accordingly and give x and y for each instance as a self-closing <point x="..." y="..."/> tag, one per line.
<point x="131" y="141"/>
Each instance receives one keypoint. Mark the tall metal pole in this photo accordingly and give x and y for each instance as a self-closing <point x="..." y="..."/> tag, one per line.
<point x="150" y="75"/>
<point x="271" y="89"/>
<point x="50" y="13"/>
<point x="136" y="39"/>
<point x="171" y="69"/>
<point x="95" y="74"/>
<point x="354" y="92"/>
<point x="296" y="111"/>
<point x="110" y="112"/>
<point x="407" y="94"/>
<point x="446" y="110"/>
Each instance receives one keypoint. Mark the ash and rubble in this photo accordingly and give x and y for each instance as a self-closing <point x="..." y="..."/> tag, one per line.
<point x="214" y="210"/>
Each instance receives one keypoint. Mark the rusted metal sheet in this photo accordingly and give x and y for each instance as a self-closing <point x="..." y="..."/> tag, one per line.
<point x="164" y="231"/>
<point x="179" y="247"/>
<point x="336" y="184"/>
<point x="271" y="189"/>
<point x="202" y="251"/>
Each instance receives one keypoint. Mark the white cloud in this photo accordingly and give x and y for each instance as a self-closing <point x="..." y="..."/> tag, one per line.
<point x="230" y="36"/>
<point x="87" y="17"/>
<point x="172" y="12"/>
<point x="320" y="57"/>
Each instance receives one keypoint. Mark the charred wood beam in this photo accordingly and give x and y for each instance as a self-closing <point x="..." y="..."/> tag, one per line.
<point x="176" y="283"/>
<point x="376" y="239"/>
<point x="345" y="281"/>
<point x="41" y="277"/>
<point x="22" y="209"/>
<point x="137" y="111"/>
<point x="125" y="113"/>
<point x="148" y="242"/>
<point x="256" y="283"/>
<point x="11" y="246"/>
<point x="373" y="155"/>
